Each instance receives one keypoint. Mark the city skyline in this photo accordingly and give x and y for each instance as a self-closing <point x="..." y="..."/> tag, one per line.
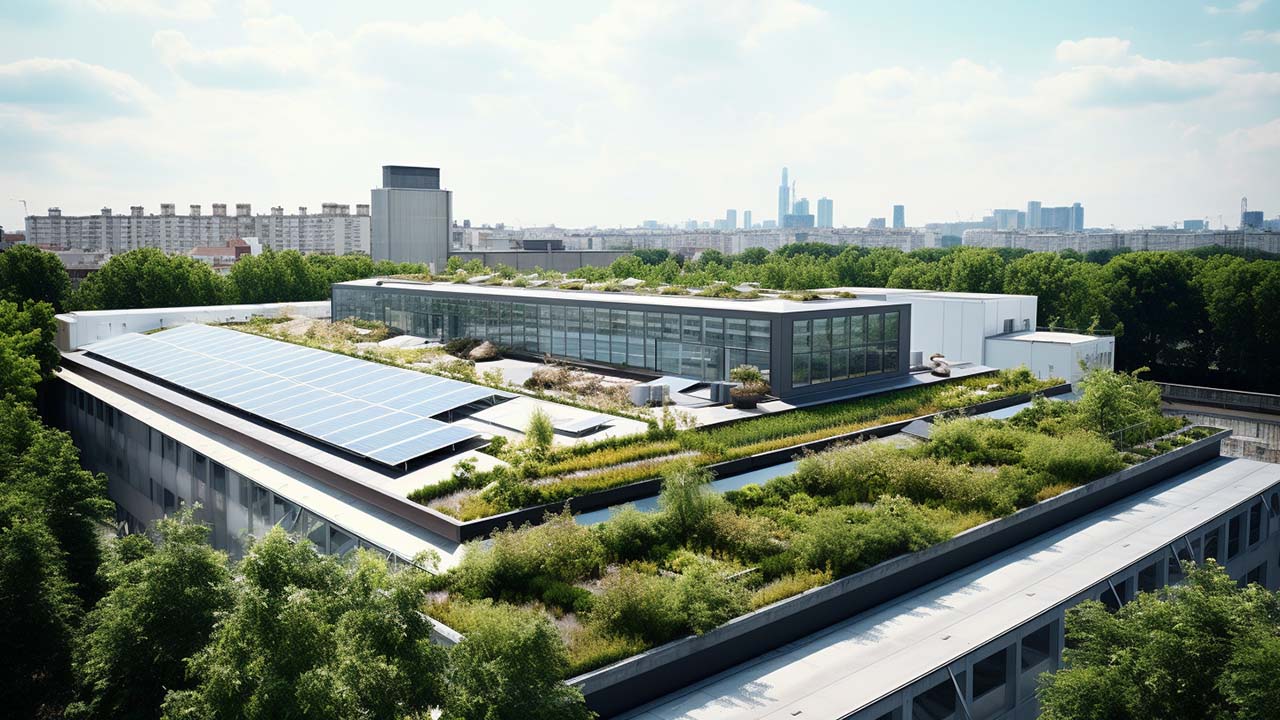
<point x="1183" y="114"/>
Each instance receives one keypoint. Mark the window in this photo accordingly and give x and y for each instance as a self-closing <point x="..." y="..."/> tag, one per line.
<point x="1149" y="578"/>
<point x="1255" y="523"/>
<point x="1211" y="543"/>
<point x="1037" y="647"/>
<point x="989" y="673"/>
<point x="1257" y="575"/>
<point x="936" y="703"/>
<point x="1233" y="536"/>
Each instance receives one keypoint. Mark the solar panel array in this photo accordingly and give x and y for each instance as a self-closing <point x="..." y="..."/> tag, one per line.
<point x="371" y="410"/>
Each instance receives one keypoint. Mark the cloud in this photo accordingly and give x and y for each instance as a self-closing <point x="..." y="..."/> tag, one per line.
<point x="1260" y="138"/>
<point x="1093" y="51"/>
<point x="1244" y="7"/>
<point x="1262" y="36"/>
<point x="62" y="85"/>
<point x="1104" y="74"/>
<point x="160" y="9"/>
<point x="780" y="16"/>
<point x="279" y="54"/>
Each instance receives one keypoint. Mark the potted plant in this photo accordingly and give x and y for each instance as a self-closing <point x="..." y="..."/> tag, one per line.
<point x="752" y="388"/>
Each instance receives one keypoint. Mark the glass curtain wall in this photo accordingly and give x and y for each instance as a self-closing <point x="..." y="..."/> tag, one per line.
<point x="837" y="348"/>
<point x="672" y="343"/>
<point x="160" y="475"/>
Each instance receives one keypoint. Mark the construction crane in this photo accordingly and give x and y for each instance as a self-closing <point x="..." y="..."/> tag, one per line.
<point x="24" y="206"/>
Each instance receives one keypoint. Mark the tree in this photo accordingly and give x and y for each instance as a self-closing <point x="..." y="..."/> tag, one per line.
<point x="1070" y="293"/>
<point x="148" y="278"/>
<point x="28" y="273"/>
<point x="979" y="270"/>
<point x="1155" y="295"/>
<point x="272" y="276"/>
<point x="309" y="636"/>
<point x="510" y="666"/>
<point x="685" y="501"/>
<point x="1204" y="649"/>
<point x="160" y="610"/>
<point x="32" y="330"/>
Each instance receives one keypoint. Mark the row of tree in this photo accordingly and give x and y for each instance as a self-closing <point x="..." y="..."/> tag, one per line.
<point x="163" y="625"/>
<point x="1203" y="317"/>
<point x="147" y="277"/>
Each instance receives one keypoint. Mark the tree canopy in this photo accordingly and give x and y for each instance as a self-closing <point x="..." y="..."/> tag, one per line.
<point x="148" y="278"/>
<point x="1203" y="649"/>
<point x="29" y="274"/>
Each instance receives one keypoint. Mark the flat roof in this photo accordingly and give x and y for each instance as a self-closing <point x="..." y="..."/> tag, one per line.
<point x="510" y="293"/>
<point x="1048" y="336"/>
<point x="203" y="309"/>
<point x="946" y="294"/>
<point x="855" y="663"/>
<point x="385" y="529"/>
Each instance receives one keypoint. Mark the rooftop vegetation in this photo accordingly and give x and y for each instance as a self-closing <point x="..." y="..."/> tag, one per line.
<point x="641" y="579"/>
<point x="565" y="472"/>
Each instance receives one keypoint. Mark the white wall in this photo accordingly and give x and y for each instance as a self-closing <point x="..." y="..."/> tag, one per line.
<point x="77" y="329"/>
<point x="1052" y="359"/>
<point x="958" y="326"/>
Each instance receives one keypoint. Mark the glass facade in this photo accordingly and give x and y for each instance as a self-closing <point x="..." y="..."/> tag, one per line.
<point x="151" y="475"/>
<point x="831" y="349"/>
<point x="691" y="344"/>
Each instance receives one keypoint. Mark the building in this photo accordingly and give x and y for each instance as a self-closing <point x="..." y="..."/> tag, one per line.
<point x="1251" y="219"/>
<point x="808" y="349"/>
<point x="825" y="213"/>
<point x="1007" y="219"/>
<point x="899" y="217"/>
<point x="335" y="231"/>
<point x="1033" y="214"/>
<point x="222" y="257"/>
<point x="1049" y="241"/>
<point x="1194" y="225"/>
<point x="1064" y="218"/>
<point x="411" y="217"/>
<point x="798" y="220"/>
<point x="746" y="219"/>
<point x="973" y="644"/>
<point x="876" y="223"/>
<point x="784" y="199"/>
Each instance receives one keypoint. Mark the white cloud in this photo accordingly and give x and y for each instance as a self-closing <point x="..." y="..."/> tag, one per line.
<point x="61" y="85"/>
<point x="1244" y="7"/>
<point x="160" y="9"/>
<point x="279" y="54"/>
<point x="1093" y="51"/>
<point x="780" y="16"/>
<point x="1104" y="74"/>
<point x="1260" y="138"/>
<point x="1262" y="36"/>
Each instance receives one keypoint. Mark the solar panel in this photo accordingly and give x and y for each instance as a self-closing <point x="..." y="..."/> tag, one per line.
<point x="374" y="411"/>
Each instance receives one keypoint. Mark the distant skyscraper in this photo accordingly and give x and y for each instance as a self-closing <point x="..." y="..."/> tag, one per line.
<point x="784" y="198"/>
<point x="1033" y="214"/>
<point x="1006" y="219"/>
<point x="876" y="224"/>
<point x="825" y="213"/>
<point x="1193" y="224"/>
<point x="1251" y="219"/>
<point x="746" y="219"/>
<point x="730" y="219"/>
<point x="899" y="217"/>
<point x="769" y="224"/>
<point x="1064" y="218"/>
<point x="1077" y="217"/>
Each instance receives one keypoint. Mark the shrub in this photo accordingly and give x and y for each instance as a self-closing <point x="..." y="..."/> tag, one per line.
<point x="631" y="604"/>
<point x="558" y="549"/>
<point x="746" y="374"/>
<point x="1076" y="457"/>
<point x="461" y="347"/>
<point x="590" y="648"/>
<point x="707" y="598"/>
<point x="977" y="441"/>
<point x="540" y="433"/>
<point x="629" y="534"/>
<point x="749" y="537"/>
<point x="685" y="500"/>
<point x="843" y="540"/>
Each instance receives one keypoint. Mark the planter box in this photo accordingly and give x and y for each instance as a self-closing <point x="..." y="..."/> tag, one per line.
<point x="481" y="527"/>
<point x="656" y="672"/>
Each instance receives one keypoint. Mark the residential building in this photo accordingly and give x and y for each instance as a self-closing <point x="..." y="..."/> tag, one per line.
<point x="899" y="217"/>
<point x="825" y="213"/>
<point x="1050" y="241"/>
<point x="335" y="231"/>
<point x="1033" y="215"/>
<point x="1006" y="219"/>
<point x="412" y="216"/>
<point x="876" y="223"/>
<point x="222" y="257"/>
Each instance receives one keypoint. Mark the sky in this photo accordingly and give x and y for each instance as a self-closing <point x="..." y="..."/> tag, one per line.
<point x="610" y="114"/>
